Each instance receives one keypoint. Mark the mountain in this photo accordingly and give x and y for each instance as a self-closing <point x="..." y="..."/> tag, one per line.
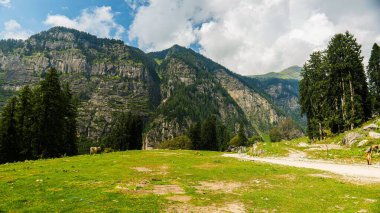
<point x="283" y="89"/>
<point x="171" y="89"/>
<point x="293" y="72"/>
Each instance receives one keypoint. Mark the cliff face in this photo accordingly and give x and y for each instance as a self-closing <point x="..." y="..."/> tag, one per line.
<point x="197" y="87"/>
<point x="107" y="75"/>
<point x="284" y="93"/>
<point x="172" y="89"/>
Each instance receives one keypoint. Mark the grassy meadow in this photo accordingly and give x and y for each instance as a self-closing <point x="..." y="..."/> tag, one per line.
<point x="175" y="181"/>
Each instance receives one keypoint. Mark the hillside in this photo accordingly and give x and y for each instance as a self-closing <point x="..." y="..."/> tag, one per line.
<point x="283" y="89"/>
<point x="175" y="181"/>
<point x="293" y="72"/>
<point x="171" y="89"/>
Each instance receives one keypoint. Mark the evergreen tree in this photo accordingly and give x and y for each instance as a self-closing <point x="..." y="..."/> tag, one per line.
<point x="348" y="91"/>
<point x="242" y="137"/>
<point x="195" y="135"/>
<point x="334" y="92"/>
<point x="126" y="133"/>
<point x="24" y="117"/>
<point x="373" y="71"/>
<point x="209" y="139"/>
<point x="70" y="122"/>
<point x="9" y="145"/>
<point x="313" y="92"/>
<point x="51" y="122"/>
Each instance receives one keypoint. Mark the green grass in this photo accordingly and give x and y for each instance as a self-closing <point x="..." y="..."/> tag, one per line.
<point x="110" y="182"/>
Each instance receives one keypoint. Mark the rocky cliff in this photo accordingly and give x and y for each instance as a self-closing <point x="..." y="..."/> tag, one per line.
<point x="107" y="75"/>
<point x="172" y="89"/>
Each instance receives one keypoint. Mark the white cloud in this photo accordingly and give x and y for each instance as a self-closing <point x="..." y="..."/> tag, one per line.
<point x="99" y="21"/>
<point x="12" y="29"/>
<point x="5" y="3"/>
<point x="252" y="37"/>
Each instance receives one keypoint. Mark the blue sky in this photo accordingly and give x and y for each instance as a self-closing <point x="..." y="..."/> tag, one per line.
<point x="247" y="36"/>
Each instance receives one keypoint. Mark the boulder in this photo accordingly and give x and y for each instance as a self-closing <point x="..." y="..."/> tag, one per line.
<point x="362" y="143"/>
<point x="374" y="135"/>
<point x="351" y="138"/>
<point x="370" y="127"/>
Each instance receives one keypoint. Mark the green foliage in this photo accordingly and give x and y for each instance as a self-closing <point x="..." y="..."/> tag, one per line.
<point x="254" y="139"/>
<point x="275" y="134"/>
<point x="240" y="139"/>
<point x="181" y="142"/>
<point x="126" y="132"/>
<point x="210" y="134"/>
<point x="333" y="92"/>
<point x="373" y="71"/>
<point x="39" y="123"/>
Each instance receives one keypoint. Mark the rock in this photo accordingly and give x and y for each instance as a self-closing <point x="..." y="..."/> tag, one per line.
<point x="371" y="127"/>
<point x="351" y="138"/>
<point x="302" y="144"/>
<point x="374" y="135"/>
<point x="362" y="143"/>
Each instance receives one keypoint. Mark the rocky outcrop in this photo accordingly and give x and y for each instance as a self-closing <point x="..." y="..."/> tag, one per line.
<point x="257" y="109"/>
<point x="351" y="138"/>
<point x="374" y="135"/>
<point x="370" y="127"/>
<point x="106" y="75"/>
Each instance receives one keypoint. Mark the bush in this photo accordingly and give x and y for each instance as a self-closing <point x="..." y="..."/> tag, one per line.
<point x="275" y="134"/>
<point x="254" y="139"/>
<point x="180" y="142"/>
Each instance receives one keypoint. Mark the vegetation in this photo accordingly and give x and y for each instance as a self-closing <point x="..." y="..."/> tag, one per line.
<point x="240" y="139"/>
<point x="210" y="134"/>
<point x="373" y="70"/>
<point x="198" y="179"/>
<point x="180" y="142"/>
<point x="126" y="132"/>
<point x="333" y="92"/>
<point x="39" y="122"/>
<point x="285" y="130"/>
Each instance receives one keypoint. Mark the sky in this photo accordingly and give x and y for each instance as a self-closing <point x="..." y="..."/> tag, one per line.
<point x="247" y="36"/>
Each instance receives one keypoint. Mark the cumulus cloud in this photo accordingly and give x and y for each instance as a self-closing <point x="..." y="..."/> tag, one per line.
<point x="13" y="30"/>
<point x="98" y="21"/>
<point x="253" y="37"/>
<point x="5" y="3"/>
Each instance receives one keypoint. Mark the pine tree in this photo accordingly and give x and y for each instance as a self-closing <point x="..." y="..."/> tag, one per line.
<point x="313" y="92"/>
<point x="242" y="137"/>
<point x="195" y="135"/>
<point x="373" y="70"/>
<point x="209" y="139"/>
<point x="334" y="92"/>
<point x="51" y="123"/>
<point x="24" y="117"/>
<point x="348" y="87"/>
<point x="9" y="146"/>
<point x="70" y="123"/>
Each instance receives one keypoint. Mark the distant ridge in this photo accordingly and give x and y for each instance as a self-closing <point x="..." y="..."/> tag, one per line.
<point x="293" y="72"/>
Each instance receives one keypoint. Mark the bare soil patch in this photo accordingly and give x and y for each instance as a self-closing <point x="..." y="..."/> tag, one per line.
<point x="235" y="207"/>
<point x="167" y="189"/>
<point x="225" y="187"/>
<point x="141" y="169"/>
<point x="179" y="198"/>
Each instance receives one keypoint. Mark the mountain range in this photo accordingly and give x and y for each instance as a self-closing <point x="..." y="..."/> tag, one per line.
<point x="171" y="89"/>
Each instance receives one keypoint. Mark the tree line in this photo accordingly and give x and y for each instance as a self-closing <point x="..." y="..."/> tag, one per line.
<point x="39" y="123"/>
<point x="334" y="94"/>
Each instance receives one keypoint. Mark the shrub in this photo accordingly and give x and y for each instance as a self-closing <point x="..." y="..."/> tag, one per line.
<point x="254" y="139"/>
<point x="180" y="142"/>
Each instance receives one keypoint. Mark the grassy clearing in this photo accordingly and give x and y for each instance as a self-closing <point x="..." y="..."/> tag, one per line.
<point x="154" y="181"/>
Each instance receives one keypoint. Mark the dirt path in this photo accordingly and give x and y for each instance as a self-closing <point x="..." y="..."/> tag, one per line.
<point x="361" y="173"/>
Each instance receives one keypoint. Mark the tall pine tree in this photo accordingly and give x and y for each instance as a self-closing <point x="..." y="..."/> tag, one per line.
<point x="9" y="146"/>
<point x="373" y="71"/>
